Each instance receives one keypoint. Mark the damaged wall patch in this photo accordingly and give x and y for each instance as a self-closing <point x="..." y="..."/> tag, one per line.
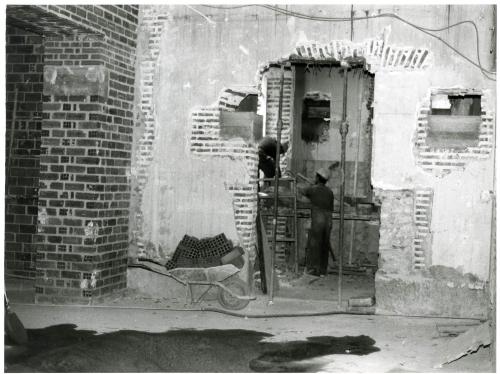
<point x="443" y="160"/>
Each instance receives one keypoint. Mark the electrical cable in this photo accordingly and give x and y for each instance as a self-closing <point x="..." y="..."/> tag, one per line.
<point x="230" y="313"/>
<point x="425" y="30"/>
<point x="391" y="15"/>
<point x="243" y="315"/>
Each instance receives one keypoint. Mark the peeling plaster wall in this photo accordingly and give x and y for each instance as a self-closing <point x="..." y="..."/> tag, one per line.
<point x="179" y="192"/>
<point x="460" y="213"/>
<point x="461" y="218"/>
<point x="187" y="59"/>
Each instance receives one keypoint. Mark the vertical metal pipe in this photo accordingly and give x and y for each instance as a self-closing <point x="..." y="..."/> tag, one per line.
<point x="279" y="126"/>
<point x="352" y="22"/>
<point x="493" y="262"/>
<point x="344" y="129"/>
<point x="356" y="161"/>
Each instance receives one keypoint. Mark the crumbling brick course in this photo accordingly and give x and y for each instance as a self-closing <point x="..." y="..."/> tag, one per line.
<point x="441" y="161"/>
<point x="206" y="141"/>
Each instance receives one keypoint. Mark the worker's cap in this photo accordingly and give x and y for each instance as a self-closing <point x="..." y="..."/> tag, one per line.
<point x="323" y="173"/>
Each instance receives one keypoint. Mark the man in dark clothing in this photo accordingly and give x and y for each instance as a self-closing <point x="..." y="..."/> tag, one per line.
<point x="318" y="241"/>
<point x="267" y="156"/>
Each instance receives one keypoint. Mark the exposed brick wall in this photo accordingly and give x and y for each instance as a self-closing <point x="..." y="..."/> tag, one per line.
<point x="148" y="53"/>
<point x="273" y="80"/>
<point x="397" y="231"/>
<point x="86" y="151"/>
<point x="284" y="229"/>
<point x="205" y="141"/>
<point x="422" y="219"/>
<point x="379" y="55"/>
<point x="24" y="73"/>
<point x="442" y="161"/>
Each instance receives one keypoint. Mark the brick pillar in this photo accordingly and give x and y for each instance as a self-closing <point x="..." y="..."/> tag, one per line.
<point x="24" y="74"/>
<point x="84" y="188"/>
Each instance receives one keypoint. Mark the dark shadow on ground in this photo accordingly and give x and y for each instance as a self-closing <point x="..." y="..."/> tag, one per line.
<point x="62" y="348"/>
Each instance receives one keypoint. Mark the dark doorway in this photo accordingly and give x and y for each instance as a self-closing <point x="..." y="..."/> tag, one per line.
<point x="317" y="114"/>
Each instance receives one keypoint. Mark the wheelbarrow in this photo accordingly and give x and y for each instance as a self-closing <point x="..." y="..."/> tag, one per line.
<point x="232" y="291"/>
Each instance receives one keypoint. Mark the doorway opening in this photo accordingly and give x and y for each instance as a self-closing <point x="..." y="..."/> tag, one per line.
<point x="316" y="116"/>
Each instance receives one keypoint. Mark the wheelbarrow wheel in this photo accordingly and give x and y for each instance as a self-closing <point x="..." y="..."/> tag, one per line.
<point x="228" y="301"/>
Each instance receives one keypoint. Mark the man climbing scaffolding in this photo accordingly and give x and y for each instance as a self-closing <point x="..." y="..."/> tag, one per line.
<point x="267" y="155"/>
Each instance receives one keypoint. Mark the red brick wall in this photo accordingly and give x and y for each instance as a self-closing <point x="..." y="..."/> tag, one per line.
<point x="82" y="239"/>
<point x="24" y="72"/>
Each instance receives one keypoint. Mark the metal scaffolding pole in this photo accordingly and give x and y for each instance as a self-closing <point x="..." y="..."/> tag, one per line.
<point x="279" y="126"/>
<point x="344" y="129"/>
<point x="356" y="163"/>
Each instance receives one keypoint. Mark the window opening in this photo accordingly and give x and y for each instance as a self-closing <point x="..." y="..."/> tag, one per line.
<point x="316" y="117"/>
<point x="454" y="121"/>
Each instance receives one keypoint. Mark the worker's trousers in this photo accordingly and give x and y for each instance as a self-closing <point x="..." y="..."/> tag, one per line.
<point x="318" y="242"/>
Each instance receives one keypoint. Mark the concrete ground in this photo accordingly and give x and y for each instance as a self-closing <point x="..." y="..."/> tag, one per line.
<point x="103" y="339"/>
<point x="326" y="288"/>
<point x="132" y="331"/>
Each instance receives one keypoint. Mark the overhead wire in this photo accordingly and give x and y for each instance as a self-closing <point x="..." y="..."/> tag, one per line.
<point x="425" y="30"/>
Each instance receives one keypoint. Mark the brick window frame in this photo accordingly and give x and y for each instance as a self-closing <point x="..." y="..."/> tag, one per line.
<point x="441" y="161"/>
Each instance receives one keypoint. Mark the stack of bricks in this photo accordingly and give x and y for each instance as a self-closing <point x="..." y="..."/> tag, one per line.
<point x="24" y="75"/>
<point x="86" y="151"/>
<point x="442" y="161"/>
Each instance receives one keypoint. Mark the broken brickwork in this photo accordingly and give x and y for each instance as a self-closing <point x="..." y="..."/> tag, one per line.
<point x="272" y="81"/>
<point x="152" y="24"/>
<point x="206" y="141"/>
<point x="422" y="219"/>
<point x="377" y="53"/>
<point x="397" y="230"/>
<point x="441" y="161"/>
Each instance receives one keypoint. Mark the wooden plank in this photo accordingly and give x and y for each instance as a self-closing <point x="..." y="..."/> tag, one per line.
<point x="265" y="247"/>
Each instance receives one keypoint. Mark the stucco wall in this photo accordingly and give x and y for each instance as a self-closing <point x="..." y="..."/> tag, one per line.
<point x="460" y="218"/>
<point x="194" y="58"/>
